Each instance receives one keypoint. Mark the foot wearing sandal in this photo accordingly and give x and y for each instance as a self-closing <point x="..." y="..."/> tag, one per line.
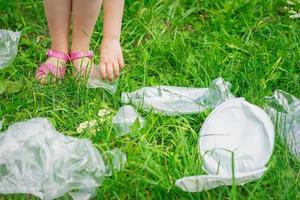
<point x="54" y="68"/>
<point x="82" y="62"/>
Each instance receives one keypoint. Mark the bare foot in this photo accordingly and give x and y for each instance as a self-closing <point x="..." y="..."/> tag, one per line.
<point x="82" y="67"/>
<point x="50" y="78"/>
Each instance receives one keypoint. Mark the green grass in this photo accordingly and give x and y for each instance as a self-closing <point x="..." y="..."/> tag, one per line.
<point x="251" y="43"/>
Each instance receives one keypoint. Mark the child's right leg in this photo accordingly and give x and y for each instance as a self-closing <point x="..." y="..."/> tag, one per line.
<point x="58" y="13"/>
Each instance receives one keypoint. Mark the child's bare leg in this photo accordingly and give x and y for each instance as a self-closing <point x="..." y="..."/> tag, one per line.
<point x="85" y="14"/>
<point x="58" y="17"/>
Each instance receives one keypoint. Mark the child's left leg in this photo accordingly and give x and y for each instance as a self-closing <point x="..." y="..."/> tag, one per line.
<point x="85" y="14"/>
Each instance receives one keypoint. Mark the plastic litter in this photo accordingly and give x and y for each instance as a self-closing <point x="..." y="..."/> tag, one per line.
<point x="126" y="118"/>
<point x="36" y="159"/>
<point x="115" y="160"/>
<point x="95" y="81"/>
<point x="236" y="142"/>
<point x="8" y="46"/>
<point x="284" y="110"/>
<point x="172" y="100"/>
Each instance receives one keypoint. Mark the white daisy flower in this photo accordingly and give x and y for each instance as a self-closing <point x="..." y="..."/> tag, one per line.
<point x="79" y="129"/>
<point x="103" y="112"/>
<point x="84" y="125"/>
<point x="92" y="122"/>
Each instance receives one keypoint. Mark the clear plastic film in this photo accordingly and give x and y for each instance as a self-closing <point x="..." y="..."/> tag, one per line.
<point x="36" y="159"/>
<point x="95" y="81"/>
<point x="8" y="46"/>
<point x="284" y="109"/>
<point x="172" y="100"/>
<point x="126" y="119"/>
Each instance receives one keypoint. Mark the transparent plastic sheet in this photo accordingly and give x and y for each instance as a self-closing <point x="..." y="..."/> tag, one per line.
<point x="171" y="100"/>
<point x="95" y="81"/>
<point x="115" y="160"/>
<point x="36" y="159"/>
<point x="8" y="46"/>
<point x="284" y="109"/>
<point x="126" y="119"/>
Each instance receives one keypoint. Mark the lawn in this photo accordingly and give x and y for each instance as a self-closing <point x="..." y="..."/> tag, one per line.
<point x="254" y="44"/>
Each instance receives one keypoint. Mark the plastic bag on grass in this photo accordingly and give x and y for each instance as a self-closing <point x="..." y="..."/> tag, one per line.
<point x="36" y="159"/>
<point x="171" y="100"/>
<point x="95" y="81"/>
<point x="284" y="109"/>
<point x="8" y="46"/>
<point x="126" y="118"/>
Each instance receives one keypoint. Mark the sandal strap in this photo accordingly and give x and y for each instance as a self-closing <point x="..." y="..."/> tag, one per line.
<point x="80" y="54"/>
<point x="47" y="68"/>
<point x="58" y="54"/>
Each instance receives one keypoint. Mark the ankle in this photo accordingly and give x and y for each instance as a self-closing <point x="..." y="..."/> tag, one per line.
<point x="81" y="48"/>
<point x="60" y="49"/>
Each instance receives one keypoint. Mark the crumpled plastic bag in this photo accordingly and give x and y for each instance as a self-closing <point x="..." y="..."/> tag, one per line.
<point x="36" y="159"/>
<point x="284" y="109"/>
<point x="8" y="46"/>
<point x="95" y="81"/>
<point x="126" y="118"/>
<point x="172" y="100"/>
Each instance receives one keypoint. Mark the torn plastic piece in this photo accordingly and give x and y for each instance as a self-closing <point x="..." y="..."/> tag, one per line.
<point x="36" y="159"/>
<point x="8" y="46"/>
<point x="207" y="182"/>
<point x="125" y="120"/>
<point x="115" y="161"/>
<point x="284" y="110"/>
<point x="226" y="144"/>
<point x="95" y="81"/>
<point x="171" y="100"/>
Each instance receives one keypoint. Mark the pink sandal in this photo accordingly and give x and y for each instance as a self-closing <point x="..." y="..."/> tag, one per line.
<point x="78" y="55"/>
<point x="46" y="68"/>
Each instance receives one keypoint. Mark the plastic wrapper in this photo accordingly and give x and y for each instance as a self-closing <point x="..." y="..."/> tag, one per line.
<point x="36" y="159"/>
<point x="95" y="81"/>
<point x="172" y="100"/>
<point x="8" y="46"/>
<point x="284" y="109"/>
<point x="126" y="119"/>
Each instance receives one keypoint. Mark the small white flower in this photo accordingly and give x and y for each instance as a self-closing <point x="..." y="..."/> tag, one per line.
<point x="84" y="125"/>
<point x="103" y="112"/>
<point x="92" y="122"/>
<point x="79" y="129"/>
